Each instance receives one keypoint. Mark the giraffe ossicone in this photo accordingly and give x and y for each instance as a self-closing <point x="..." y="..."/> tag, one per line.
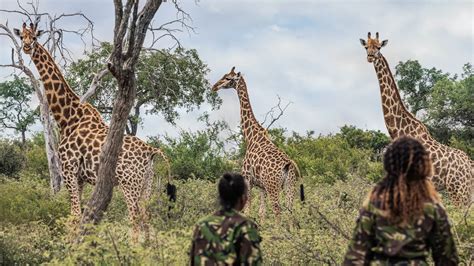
<point x="453" y="169"/>
<point x="82" y="134"/>
<point x="264" y="164"/>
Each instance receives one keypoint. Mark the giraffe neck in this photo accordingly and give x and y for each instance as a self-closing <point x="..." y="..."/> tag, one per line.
<point x="248" y="122"/>
<point x="63" y="102"/>
<point x="398" y="119"/>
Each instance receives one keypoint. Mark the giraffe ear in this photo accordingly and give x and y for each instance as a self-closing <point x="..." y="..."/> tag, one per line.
<point x="39" y="33"/>
<point x="362" y="41"/>
<point x="384" y="42"/>
<point x="17" y="32"/>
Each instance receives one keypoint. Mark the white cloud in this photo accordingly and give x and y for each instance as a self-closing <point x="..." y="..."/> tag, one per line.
<point x="305" y="51"/>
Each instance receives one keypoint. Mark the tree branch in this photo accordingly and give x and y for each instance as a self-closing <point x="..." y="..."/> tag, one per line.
<point x="94" y="84"/>
<point x="271" y="114"/>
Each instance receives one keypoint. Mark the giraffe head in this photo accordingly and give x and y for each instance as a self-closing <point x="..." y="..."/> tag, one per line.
<point x="229" y="80"/>
<point x="373" y="47"/>
<point x="28" y="36"/>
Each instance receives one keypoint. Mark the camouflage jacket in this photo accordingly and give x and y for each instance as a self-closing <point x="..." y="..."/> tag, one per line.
<point x="226" y="238"/>
<point x="376" y="242"/>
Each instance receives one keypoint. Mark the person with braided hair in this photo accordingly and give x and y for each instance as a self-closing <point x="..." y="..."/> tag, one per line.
<point x="402" y="218"/>
<point x="227" y="237"/>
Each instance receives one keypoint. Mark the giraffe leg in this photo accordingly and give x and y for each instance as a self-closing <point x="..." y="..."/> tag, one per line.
<point x="135" y="213"/>
<point x="289" y="187"/>
<point x="248" y="205"/>
<point x="72" y="185"/>
<point x="262" y="209"/>
<point x="458" y="192"/>
<point x="274" y="198"/>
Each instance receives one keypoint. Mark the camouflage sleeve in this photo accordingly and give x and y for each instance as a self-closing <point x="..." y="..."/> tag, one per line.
<point x="193" y="251"/>
<point x="441" y="240"/>
<point x="359" y="247"/>
<point x="249" y="245"/>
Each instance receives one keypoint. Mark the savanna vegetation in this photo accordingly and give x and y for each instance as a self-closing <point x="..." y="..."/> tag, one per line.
<point x="338" y="170"/>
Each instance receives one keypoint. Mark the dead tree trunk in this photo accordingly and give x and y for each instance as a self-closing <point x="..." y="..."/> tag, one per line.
<point x="129" y="34"/>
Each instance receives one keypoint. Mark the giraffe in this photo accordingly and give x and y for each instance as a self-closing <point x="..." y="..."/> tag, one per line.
<point x="82" y="134"/>
<point x="264" y="165"/>
<point x="453" y="169"/>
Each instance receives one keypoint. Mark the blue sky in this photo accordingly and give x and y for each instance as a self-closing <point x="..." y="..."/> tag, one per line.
<point x="307" y="52"/>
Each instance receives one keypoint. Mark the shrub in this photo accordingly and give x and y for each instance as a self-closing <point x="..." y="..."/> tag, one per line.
<point x="315" y="233"/>
<point x="36" y="161"/>
<point x="30" y="200"/>
<point x="11" y="158"/>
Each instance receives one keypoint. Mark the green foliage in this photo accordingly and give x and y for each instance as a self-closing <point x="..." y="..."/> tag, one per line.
<point x="29" y="200"/>
<point x="365" y="139"/>
<point x="325" y="158"/>
<point x="11" y="158"/>
<point x="197" y="154"/>
<point x="446" y="101"/>
<point x="166" y="80"/>
<point x="416" y="83"/>
<point x="36" y="160"/>
<point x="315" y="232"/>
<point x="15" y="112"/>
<point x="451" y="111"/>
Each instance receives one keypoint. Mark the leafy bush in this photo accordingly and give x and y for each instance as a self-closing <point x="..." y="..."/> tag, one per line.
<point x="315" y="233"/>
<point x="197" y="154"/>
<point x="36" y="161"/>
<point x="30" y="201"/>
<point x="11" y="158"/>
<point x="325" y="158"/>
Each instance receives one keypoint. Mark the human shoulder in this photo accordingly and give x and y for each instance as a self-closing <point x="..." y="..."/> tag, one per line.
<point x="434" y="210"/>
<point x="211" y="219"/>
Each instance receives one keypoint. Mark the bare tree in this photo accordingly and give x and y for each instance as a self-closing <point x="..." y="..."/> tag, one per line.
<point x="55" y="45"/>
<point x="131" y="26"/>
<point x="275" y="113"/>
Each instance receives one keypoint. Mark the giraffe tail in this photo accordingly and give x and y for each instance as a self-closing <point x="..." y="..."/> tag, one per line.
<point x="170" y="188"/>
<point x="300" y="177"/>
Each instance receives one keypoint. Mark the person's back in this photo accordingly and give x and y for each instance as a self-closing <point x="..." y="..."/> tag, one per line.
<point x="402" y="219"/>
<point x="227" y="237"/>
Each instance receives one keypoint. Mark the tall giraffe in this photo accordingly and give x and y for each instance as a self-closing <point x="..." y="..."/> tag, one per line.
<point x="264" y="165"/>
<point x="82" y="134"/>
<point x="453" y="169"/>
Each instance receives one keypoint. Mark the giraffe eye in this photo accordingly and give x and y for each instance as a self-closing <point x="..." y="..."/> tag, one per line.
<point x="21" y="37"/>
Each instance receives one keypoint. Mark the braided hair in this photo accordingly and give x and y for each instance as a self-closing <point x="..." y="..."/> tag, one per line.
<point x="406" y="185"/>
<point x="231" y="188"/>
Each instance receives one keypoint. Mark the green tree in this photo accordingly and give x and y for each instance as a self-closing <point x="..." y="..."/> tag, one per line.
<point x="11" y="158"/>
<point x="15" y="110"/>
<point x="166" y="80"/>
<point x="445" y="101"/>
<point x="200" y="154"/>
<point x="450" y="113"/>
<point x="416" y="83"/>
<point x="373" y="140"/>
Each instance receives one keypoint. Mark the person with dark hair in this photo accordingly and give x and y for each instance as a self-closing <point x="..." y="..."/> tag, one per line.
<point x="227" y="237"/>
<point x="402" y="218"/>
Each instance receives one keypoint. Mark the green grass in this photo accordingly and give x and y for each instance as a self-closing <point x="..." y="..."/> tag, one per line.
<point x="34" y="226"/>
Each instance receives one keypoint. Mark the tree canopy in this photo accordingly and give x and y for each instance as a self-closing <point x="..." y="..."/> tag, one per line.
<point x="166" y="80"/>
<point x="446" y="101"/>
<point x="15" y="110"/>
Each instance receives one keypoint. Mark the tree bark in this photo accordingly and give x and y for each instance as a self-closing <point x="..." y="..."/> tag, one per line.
<point x="54" y="165"/>
<point x="129" y="34"/>
<point x="103" y="191"/>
